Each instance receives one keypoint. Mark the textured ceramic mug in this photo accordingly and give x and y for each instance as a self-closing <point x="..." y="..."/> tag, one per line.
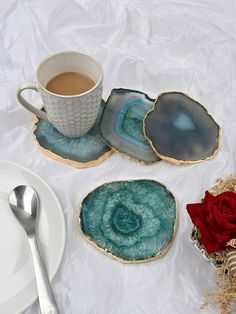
<point x="75" y="115"/>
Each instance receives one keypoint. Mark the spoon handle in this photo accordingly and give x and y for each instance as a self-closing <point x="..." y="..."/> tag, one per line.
<point x="47" y="302"/>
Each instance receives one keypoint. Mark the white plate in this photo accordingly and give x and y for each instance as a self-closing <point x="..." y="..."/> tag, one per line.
<point x="17" y="281"/>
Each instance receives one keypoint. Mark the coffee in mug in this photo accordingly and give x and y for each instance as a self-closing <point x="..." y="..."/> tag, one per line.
<point x="70" y="83"/>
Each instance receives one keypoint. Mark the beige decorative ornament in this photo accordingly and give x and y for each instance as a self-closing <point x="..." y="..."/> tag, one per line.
<point x="231" y="257"/>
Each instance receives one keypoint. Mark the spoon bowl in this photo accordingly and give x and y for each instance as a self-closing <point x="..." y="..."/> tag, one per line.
<point x="24" y="203"/>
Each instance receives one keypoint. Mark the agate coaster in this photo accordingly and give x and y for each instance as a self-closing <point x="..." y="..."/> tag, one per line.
<point x="180" y="129"/>
<point x="122" y="124"/>
<point x="131" y="221"/>
<point x="86" y="151"/>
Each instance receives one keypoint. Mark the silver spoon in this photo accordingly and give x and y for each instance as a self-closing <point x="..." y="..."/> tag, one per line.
<point x="24" y="203"/>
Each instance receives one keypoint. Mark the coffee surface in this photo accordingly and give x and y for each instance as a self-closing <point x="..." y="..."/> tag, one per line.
<point x="70" y="83"/>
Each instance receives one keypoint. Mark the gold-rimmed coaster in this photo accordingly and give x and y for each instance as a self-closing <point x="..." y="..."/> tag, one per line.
<point x="130" y="221"/>
<point x="180" y="130"/>
<point x="86" y="151"/>
<point x="122" y="124"/>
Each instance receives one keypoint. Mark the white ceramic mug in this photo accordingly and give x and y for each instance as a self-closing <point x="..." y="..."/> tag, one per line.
<point x="75" y="115"/>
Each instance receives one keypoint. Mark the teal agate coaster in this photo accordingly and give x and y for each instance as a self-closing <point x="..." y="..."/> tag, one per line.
<point x="86" y="151"/>
<point x="181" y="130"/>
<point x="132" y="221"/>
<point x="122" y="124"/>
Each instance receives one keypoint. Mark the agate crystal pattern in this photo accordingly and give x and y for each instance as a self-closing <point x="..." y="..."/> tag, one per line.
<point x="132" y="221"/>
<point x="180" y="129"/>
<point x="122" y="124"/>
<point x="87" y="150"/>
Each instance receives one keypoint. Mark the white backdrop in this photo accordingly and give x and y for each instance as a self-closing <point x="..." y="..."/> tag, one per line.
<point x="153" y="46"/>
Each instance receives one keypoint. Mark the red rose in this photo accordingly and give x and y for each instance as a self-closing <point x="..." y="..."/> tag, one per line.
<point x="215" y="217"/>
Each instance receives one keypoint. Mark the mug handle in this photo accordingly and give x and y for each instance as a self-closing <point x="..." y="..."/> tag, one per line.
<point x="26" y="104"/>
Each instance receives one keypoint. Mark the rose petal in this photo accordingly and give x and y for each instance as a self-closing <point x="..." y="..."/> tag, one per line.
<point x="223" y="222"/>
<point x="196" y="211"/>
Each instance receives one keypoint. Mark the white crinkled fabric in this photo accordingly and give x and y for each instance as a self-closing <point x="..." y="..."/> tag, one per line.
<point x="153" y="46"/>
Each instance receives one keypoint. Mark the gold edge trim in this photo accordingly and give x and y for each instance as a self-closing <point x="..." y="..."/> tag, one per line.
<point x="69" y="162"/>
<point x="179" y="161"/>
<point x="120" y="259"/>
<point x="142" y="162"/>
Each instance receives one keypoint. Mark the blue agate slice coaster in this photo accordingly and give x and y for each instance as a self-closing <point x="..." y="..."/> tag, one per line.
<point x="122" y="124"/>
<point x="86" y="151"/>
<point x="131" y="221"/>
<point x="181" y="130"/>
